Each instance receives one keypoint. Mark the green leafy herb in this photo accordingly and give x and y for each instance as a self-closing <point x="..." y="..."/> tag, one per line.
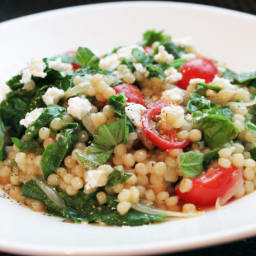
<point x="251" y="128"/>
<point x="253" y="153"/>
<point x="151" y="36"/>
<point x="56" y="152"/>
<point x="110" y="135"/>
<point x="243" y="78"/>
<point x="191" y="164"/>
<point x="92" y="161"/>
<point x="2" y="141"/>
<point x="86" y="58"/>
<point x="51" y="112"/>
<point x="82" y="207"/>
<point x="117" y="177"/>
<point x="14" y="83"/>
<point x="178" y="63"/>
<point x="24" y="146"/>
<point x="197" y="103"/>
<point x="172" y="48"/>
<point x="201" y="88"/>
<point x="217" y="130"/>
<point x="141" y="57"/>
<point x="209" y="156"/>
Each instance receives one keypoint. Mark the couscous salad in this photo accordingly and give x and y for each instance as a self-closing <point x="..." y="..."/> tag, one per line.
<point x="146" y="132"/>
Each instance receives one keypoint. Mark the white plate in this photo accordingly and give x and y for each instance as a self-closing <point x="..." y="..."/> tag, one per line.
<point x="225" y="35"/>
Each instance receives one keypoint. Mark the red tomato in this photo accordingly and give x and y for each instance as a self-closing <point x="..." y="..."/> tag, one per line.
<point x="71" y="54"/>
<point x="131" y="92"/>
<point x="147" y="49"/>
<point x="197" y="68"/>
<point x="167" y="141"/>
<point x="213" y="184"/>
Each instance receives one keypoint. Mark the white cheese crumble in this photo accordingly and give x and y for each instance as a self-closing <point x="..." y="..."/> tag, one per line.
<point x="134" y="112"/>
<point x="174" y="95"/>
<point x="187" y="56"/>
<point x="126" y="74"/>
<point x="52" y="96"/>
<point x="163" y="55"/>
<point x="222" y="82"/>
<point x="140" y="71"/>
<point x="196" y="81"/>
<point x="185" y="42"/>
<point x="96" y="178"/>
<point x="173" y="116"/>
<point x="79" y="107"/>
<point x="172" y="75"/>
<point x="31" y="117"/>
<point x="34" y="68"/>
<point x="109" y="62"/>
<point x="60" y="66"/>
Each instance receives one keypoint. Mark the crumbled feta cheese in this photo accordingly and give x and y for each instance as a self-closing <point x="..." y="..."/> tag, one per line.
<point x="34" y="68"/>
<point x="126" y="74"/>
<point x="79" y="107"/>
<point x="174" y="95"/>
<point x="187" y="56"/>
<point x="109" y="62"/>
<point x="134" y="112"/>
<point x="82" y="80"/>
<point x="126" y="52"/>
<point x="140" y="71"/>
<point x="52" y="96"/>
<point x="196" y="81"/>
<point x="222" y="82"/>
<point x="29" y="86"/>
<point x="31" y="117"/>
<point x="60" y="66"/>
<point x="96" y="178"/>
<point x="172" y="117"/>
<point x="172" y="75"/>
<point x="163" y="55"/>
<point x="185" y="42"/>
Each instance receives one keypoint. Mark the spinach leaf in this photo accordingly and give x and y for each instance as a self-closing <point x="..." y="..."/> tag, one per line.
<point x="55" y="153"/>
<point x="197" y="103"/>
<point x="174" y="49"/>
<point x="209" y="156"/>
<point x="110" y="135"/>
<point x="141" y="57"/>
<point x="151" y="36"/>
<point x="201" y="88"/>
<point x="24" y="146"/>
<point x="44" y="120"/>
<point x="82" y="207"/>
<point x="14" y="83"/>
<point x="117" y="177"/>
<point x="178" y="63"/>
<point x="217" y="130"/>
<point x="156" y="70"/>
<point x="92" y="161"/>
<point x="191" y="164"/>
<point x="2" y="141"/>
<point x="248" y="79"/>
<point x="86" y="58"/>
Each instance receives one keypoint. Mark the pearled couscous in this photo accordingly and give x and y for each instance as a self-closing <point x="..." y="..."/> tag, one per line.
<point x="143" y="133"/>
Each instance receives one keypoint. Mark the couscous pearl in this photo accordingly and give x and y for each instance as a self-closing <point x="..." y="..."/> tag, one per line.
<point x="240" y="192"/>
<point x="195" y="135"/>
<point x="162" y="196"/>
<point x="225" y="152"/>
<point x="128" y="160"/>
<point x="98" y="119"/>
<point x="61" y="172"/>
<point x="249" y="163"/>
<point x="124" y="195"/>
<point x="238" y="160"/>
<point x="117" y="160"/>
<point x="171" y="162"/>
<point x="120" y="150"/>
<point x="101" y="197"/>
<point x="140" y="155"/>
<point x="175" y="152"/>
<point x="56" y="124"/>
<point x="142" y="190"/>
<point x="249" y="186"/>
<point x="77" y="183"/>
<point x="141" y="169"/>
<point x="108" y="111"/>
<point x="118" y="188"/>
<point x="223" y="162"/>
<point x="185" y="185"/>
<point x="123" y="207"/>
<point x="160" y="169"/>
<point x="132" y="180"/>
<point x="68" y="178"/>
<point x="89" y="90"/>
<point x="70" y="190"/>
<point x="14" y="180"/>
<point x="172" y="201"/>
<point x="134" y="195"/>
<point x="183" y="135"/>
<point x="150" y="195"/>
<point x="53" y="180"/>
<point x="239" y="148"/>
<point x="249" y="173"/>
<point x="142" y="180"/>
<point x="37" y="206"/>
<point x="189" y="208"/>
<point x="83" y="136"/>
<point x="69" y="162"/>
<point x="44" y="133"/>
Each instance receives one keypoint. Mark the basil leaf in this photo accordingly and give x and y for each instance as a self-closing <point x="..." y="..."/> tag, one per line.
<point x="14" y="83"/>
<point x="201" y="88"/>
<point x="24" y="146"/>
<point x="191" y="164"/>
<point x="86" y="58"/>
<point x="141" y="57"/>
<point x="92" y="161"/>
<point x="55" y="153"/>
<point x="243" y="78"/>
<point x="209" y="156"/>
<point x="178" y="63"/>
<point x="174" y="49"/>
<point x="151" y="36"/>
<point x="197" y="103"/>
<point x="117" y="177"/>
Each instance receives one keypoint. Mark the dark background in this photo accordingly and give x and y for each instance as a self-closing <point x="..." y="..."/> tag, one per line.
<point x="15" y="8"/>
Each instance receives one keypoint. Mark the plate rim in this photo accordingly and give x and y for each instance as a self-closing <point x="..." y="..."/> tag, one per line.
<point x="225" y="236"/>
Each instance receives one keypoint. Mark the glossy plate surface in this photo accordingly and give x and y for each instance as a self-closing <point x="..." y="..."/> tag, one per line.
<point x="225" y="35"/>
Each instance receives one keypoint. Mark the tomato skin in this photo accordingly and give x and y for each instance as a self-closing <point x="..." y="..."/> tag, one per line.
<point x="131" y="92"/>
<point x="71" y="53"/>
<point x="213" y="184"/>
<point x="197" y="68"/>
<point x="164" y="142"/>
<point x="148" y="49"/>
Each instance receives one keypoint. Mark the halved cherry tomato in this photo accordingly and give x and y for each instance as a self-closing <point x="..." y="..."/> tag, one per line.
<point x="197" y="68"/>
<point x="131" y="92"/>
<point x="147" y="49"/>
<point x="167" y="141"/>
<point x="215" y="183"/>
<point x="71" y="54"/>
